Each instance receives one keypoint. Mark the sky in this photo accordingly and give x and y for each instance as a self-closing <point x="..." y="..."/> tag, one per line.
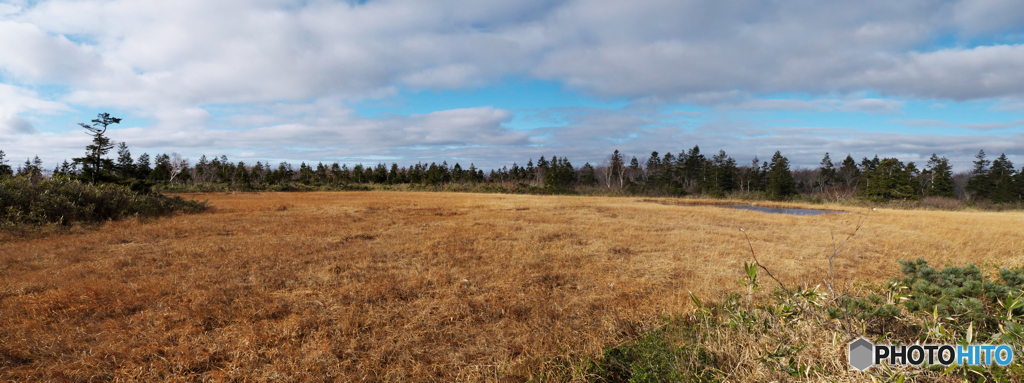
<point x="496" y="82"/>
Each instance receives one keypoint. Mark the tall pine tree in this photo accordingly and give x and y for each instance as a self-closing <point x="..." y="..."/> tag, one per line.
<point x="780" y="179"/>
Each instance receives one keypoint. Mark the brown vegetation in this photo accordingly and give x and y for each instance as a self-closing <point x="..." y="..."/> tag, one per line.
<point x="417" y="286"/>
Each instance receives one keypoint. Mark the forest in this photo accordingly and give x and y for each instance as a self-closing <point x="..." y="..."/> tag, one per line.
<point x="690" y="172"/>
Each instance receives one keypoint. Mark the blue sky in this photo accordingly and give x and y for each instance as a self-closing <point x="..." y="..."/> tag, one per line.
<point x="494" y="82"/>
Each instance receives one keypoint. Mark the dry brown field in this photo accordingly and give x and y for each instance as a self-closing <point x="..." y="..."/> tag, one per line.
<point x="389" y="286"/>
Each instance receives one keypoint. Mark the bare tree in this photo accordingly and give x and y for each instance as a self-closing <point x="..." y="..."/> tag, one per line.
<point x="177" y="165"/>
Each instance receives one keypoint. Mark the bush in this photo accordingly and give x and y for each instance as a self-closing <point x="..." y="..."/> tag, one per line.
<point x="63" y="201"/>
<point x="801" y="334"/>
<point x="962" y="293"/>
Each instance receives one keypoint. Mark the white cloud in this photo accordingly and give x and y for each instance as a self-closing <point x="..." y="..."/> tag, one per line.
<point x="981" y="126"/>
<point x="276" y="77"/>
<point x="16" y="102"/>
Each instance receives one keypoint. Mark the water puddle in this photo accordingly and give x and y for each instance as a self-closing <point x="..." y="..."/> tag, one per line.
<point x="779" y="210"/>
<point x="763" y="209"/>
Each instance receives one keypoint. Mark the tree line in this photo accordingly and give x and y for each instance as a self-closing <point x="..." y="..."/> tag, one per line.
<point x="688" y="172"/>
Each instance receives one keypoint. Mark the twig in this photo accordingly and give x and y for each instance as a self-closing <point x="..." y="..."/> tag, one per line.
<point x="789" y="293"/>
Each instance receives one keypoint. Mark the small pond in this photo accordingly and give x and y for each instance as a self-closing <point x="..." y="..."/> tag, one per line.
<point x="779" y="210"/>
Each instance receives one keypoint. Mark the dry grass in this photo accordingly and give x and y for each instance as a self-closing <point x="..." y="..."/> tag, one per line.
<point x="385" y="286"/>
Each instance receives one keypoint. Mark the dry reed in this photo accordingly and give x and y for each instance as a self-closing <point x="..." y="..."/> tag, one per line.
<point x="379" y="286"/>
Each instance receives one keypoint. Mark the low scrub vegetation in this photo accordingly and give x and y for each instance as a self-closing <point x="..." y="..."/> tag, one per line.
<point x="800" y="334"/>
<point x="61" y="201"/>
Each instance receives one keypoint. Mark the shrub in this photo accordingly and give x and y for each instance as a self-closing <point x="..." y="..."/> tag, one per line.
<point x="62" y="201"/>
<point x="800" y="334"/>
<point x="962" y="293"/>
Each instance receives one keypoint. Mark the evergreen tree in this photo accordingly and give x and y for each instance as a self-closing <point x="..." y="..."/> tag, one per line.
<point x="5" y="169"/>
<point x="939" y="176"/>
<point x="367" y="174"/>
<point x="161" y="169"/>
<point x="125" y="165"/>
<point x="560" y="174"/>
<point x="258" y="174"/>
<point x="890" y="179"/>
<point x="1003" y="181"/>
<point x="394" y="176"/>
<point x="142" y="167"/>
<point x="541" y="170"/>
<point x="979" y="186"/>
<point x="241" y="178"/>
<point x="780" y="179"/>
<point x="1020" y="184"/>
<point x="66" y="169"/>
<point x="471" y="176"/>
<point x="32" y="169"/>
<point x="827" y="174"/>
<point x="633" y="171"/>
<point x="848" y="173"/>
<point x="723" y="174"/>
<point x="320" y="174"/>
<point x="692" y="167"/>
<point x="587" y="175"/>
<point x="95" y="167"/>
<point x="380" y="174"/>
<point x="752" y="177"/>
<point x="616" y="168"/>
<point x="305" y="174"/>
<point x="357" y="174"/>
<point x="225" y="170"/>
<point x="202" y="170"/>
<point x="416" y="174"/>
<point x="667" y="176"/>
<point x="284" y="173"/>
<point x="653" y="168"/>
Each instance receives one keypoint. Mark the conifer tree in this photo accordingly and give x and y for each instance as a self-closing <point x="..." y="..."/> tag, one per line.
<point x="380" y="174"/>
<point x="979" y="186"/>
<point x="66" y="169"/>
<point x="752" y="177"/>
<point x="692" y="167"/>
<point x="668" y="170"/>
<point x="722" y="174"/>
<point x="241" y="178"/>
<point x="258" y="174"/>
<point x="616" y="168"/>
<point x="32" y="169"/>
<point x="633" y="171"/>
<point x="394" y="177"/>
<point x="1002" y="181"/>
<point x="587" y="175"/>
<point x="780" y="179"/>
<point x="541" y="170"/>
<point x="162" y="168"/>
<point x="95" y="167"/>
<point x="125" y="165"/>
<point x="890" y="179"/>
<point x="849" y="173"/>
<point x="827" y="174"/>
<point x="940" y="177"/>
<point x="5" y="169"/>
<point x="142" y="167"/>
<point x="653" y="168"/>
<point x="201" y="170"/>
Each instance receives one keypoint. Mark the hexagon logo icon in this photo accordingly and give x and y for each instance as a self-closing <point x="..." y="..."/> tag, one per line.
<point x="861" y="353"/>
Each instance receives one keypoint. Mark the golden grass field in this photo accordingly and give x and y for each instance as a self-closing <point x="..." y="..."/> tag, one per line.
<point x="402" y="286"/>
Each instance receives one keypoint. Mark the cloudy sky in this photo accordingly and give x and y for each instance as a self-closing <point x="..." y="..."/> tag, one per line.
<point x="492" y="82"/>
